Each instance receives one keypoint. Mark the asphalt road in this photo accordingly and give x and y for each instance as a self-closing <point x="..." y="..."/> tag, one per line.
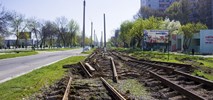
<point x="14" y="67"/>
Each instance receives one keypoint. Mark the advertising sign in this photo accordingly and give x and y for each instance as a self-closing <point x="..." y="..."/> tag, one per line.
<point x="206" y="41"/>
<point x="156" y="36"/>
<point x="24" y="35"/>
<point x="209" y="39"/>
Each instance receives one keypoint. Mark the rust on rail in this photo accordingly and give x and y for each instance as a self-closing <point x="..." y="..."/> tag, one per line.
<point x="115" y="75"/>
<point x="85" y="70"/>
<point x="116" y="95"/>
<point x="67" y="91"/>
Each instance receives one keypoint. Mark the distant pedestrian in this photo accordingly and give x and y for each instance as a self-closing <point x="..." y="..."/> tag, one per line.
<point x="193" y="51"/>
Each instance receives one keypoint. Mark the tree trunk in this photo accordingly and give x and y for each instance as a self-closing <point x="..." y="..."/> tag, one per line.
<point x="64" y="42"/>
<point x="17" y="37"/>
<point x="36" y="39"/>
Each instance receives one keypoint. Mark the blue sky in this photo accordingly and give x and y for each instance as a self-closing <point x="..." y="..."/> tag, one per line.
<point x="116" y="11"/>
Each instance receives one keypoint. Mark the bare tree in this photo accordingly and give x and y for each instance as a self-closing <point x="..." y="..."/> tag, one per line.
<point x="35" y="27"/>
<point x="48" y="34"/>
<point x="18" y="24"/>
<point x="5" y="17"/>
<point x="61" y="23"/>
<point x="73" y="29"/>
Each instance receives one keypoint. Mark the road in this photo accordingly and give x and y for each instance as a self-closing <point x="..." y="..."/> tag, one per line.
<point x="14" y="67"/>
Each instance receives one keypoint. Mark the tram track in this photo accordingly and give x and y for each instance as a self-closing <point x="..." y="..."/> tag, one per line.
<point x="174" y="78"/>
<point x="100" y="75"/>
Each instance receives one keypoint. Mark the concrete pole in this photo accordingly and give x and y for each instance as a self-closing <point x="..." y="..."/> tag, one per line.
<point x="94" y="39"/>
<point x="101" y="39"/>
<point x="91" y="32"/>
<point x="84" y="4"/>
<point x="104" y="34"/>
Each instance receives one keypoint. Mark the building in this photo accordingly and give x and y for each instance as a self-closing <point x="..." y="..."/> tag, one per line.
<point x="157" y="4"/>
<point x="11" y="43"/>
<point x="114" y="38"/>
<point x="212" y="12"/>
<point x="201" y="42"/>
<point x="117" y="33"/>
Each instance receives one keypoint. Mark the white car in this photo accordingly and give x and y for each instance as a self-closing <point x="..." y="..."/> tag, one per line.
<point x="86" y="48"/>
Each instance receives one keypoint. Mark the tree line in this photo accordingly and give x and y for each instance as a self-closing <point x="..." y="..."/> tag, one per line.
<point x="185" y="11"/>
<point x="59" y="33"/>
<point x="132" y="32"/>
<point x="185" y="17"/>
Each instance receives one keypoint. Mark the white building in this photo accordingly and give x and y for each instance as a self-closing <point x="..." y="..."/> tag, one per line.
<point x="201" y="42"/>
<point x="150" y="3"/>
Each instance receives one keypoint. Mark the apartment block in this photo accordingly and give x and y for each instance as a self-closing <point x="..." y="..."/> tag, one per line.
<point x="157" y="4"/>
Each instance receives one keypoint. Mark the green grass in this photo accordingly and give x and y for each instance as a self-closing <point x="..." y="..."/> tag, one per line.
<point x="202" y="74"/>
<point x="133" y="86"/>
<point x="160" y="56"/>
<point x="13" y="54"/>
<point x="89" y="52"/>
<point x="32" y="82"/>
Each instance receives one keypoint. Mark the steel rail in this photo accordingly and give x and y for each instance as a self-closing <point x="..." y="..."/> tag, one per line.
<point x="67" y="91"/>
<point x="85" y="70"/>
<point x="115" y="75"/>
<point x="116" y="95"/>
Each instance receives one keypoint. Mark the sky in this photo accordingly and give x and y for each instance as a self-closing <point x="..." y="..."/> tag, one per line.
<point x="116" y="12"/>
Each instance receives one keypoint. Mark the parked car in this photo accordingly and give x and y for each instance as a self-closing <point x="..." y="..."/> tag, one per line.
<point x="86" y="48"/>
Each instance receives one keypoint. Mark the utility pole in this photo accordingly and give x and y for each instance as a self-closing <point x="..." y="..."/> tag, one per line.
<point x="101" y="39"/>
<point x="104" y="33"/>
<point x="91" y="32"/>
<point x="84" y="4"/>
<point x="168" y="44"/>
<point x="94" y="39"/>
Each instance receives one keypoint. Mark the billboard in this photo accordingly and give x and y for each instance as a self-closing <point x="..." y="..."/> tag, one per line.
<point x="156" y="36"/>
<point x="24" y="35"/>
<point x="206" y="41"/>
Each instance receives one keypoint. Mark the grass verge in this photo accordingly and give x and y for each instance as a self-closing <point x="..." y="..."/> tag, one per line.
<point x="17" y="54"/>
<point x="203" y="74"/>
<point x="89" y="52"/>
<point x="32" y="82"/>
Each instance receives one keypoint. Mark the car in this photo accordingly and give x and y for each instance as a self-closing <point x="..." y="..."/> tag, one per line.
<point x="86" y="48"/>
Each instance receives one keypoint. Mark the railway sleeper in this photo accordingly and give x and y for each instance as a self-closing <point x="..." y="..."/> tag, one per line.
<point x="152" y="83"/>
<point x="171" y="94"/>
<point x="194" y="87"/>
